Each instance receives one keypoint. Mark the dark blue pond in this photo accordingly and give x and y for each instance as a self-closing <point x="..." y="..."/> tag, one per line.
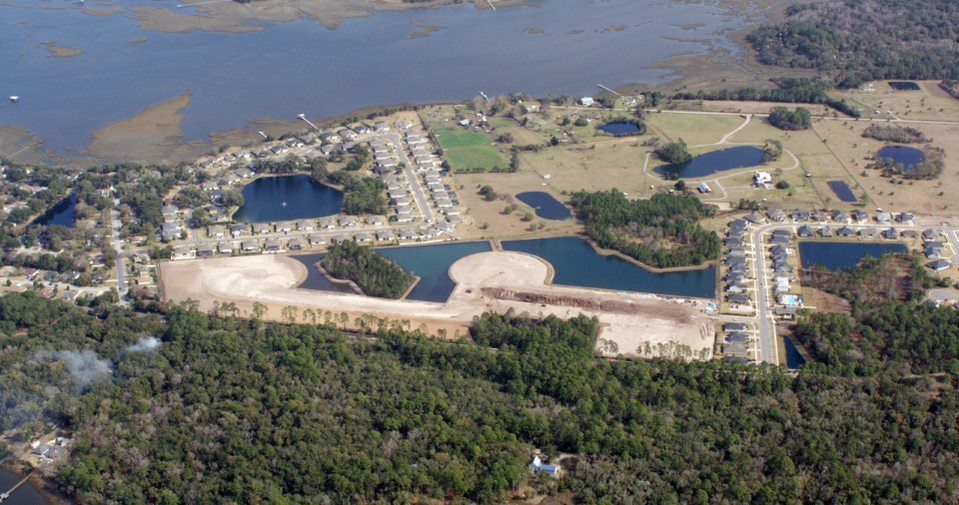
<point x="432" y="264"/>
<point x="314" y="279"/>
<point x="62" y="214"/>
<point x="715" y="162"/>
<point x="904" y="85"/>
<point x="843" y="255"/>
<point x="285" y="198"/>
<point x="908" y="157"/>
<point x="576" y="263"/>
<point x="843" y="191"/>
<point x="794" y="359"/>
<point x="545" y="205"/>
<point x="622" y="128"/>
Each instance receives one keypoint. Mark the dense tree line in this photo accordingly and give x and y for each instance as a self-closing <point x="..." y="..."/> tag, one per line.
<point x="661" y="232"/>
<point x="790" y="120"/>
<point x="226" y="410"/>
<point x="374" y="273"/>
<point x="894" y="133"/>
<point x="362" y="195"/>
<point x="788" y="90"/>
<point x="862" y="40"/>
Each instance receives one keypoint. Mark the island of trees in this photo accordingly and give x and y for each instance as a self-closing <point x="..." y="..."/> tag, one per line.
<point x="674" y="153"/>
<point x="374" y="273"/>
<point x="895" y="133"/>
<point x="661" y="232"/>
<point x="790" y="120"/>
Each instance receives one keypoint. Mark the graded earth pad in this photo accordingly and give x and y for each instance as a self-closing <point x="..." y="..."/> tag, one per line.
<point x="638" y="325"/>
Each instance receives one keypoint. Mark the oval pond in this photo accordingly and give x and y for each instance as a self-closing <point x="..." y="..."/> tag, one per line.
<point x="715" y="162"/>
<point x="287" y="197"/>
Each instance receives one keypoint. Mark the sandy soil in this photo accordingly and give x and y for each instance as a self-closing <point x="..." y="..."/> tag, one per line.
<point x="151" y="135"/>
<point x="639" y="325"/>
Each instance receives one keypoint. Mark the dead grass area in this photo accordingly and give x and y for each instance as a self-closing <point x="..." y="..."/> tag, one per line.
<point x="934" y="198"/>
<point x="930" y="103"/>
<point x="821" y="301"/>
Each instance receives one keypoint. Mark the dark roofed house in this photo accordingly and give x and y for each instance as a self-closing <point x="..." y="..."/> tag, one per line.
<point x="891" y="234"/>
<point x="930" y="234"/>
<point x="826" y="232"/>
<point x="939" y="265"/>
<point x="910" y="234"/>
<point x="933" y="249"/>
<point x="806" y="232"/>
<point x="739" y="299"/>
<point x="846" y="232"/>
<point x="739" y="224"/>
<point x="755" y="218"/>
<point x="730" y="327"/>
<point x="904" y="217"/>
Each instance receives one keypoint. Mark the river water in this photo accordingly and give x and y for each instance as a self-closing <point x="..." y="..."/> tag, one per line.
<point x="25" y="495"/>
<point x="560" y="47"/>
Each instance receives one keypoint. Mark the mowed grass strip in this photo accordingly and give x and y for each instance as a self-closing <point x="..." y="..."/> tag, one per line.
<point x="469" y="150"/>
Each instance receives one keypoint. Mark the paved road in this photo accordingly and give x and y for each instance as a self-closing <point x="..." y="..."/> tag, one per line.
<point x="768" y="345"/>
<point x="765" y="317"/>
<point x="121" y="264"/>
<point x="421" y="201"/>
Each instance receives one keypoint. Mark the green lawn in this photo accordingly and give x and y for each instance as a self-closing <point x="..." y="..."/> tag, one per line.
<point x="466" y="150"/>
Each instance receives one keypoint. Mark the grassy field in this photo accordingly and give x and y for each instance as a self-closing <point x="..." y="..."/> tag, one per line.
<point x="693" y="129"/>
<point x="467" y="150"/>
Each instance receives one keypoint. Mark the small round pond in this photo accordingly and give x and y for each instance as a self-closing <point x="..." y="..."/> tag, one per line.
<point x="904" y="85"/>
<point x="545" y="205"/>
<point x="62" y="214"/>
<point x="715" y="162"/>
<point x="285" y="198"/>
<point x="843" y="255"/>
<point x="623" y="128"/>
<point x="908" y="157"/>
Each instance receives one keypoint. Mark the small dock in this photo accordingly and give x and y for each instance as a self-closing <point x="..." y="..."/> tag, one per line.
<point x="5" y="495"/>
<point x="604" y="88"/>
<point x="303" y="117"/>
<point x="491" y="6"/>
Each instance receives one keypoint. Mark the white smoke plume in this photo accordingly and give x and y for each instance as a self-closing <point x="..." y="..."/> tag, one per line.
<point x="144" y="345"/>
<point x="84" y="366"/>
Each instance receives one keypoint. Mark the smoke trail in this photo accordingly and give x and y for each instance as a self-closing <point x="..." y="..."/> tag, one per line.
<point x="84" y="366"/>
<point x="144" y="345"/>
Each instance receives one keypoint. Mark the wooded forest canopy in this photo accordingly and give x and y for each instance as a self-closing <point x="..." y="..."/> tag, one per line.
<point x="227" y="410"/>
<point x="861" y="40"/>
<point x="374" y="273"/>
<point x="661" y="232"/>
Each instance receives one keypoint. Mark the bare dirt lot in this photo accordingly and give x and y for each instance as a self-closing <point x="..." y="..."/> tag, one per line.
<point x="634" y="325"/>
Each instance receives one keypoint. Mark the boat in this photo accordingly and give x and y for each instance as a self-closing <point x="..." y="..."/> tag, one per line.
<point x="14" y="99"/>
